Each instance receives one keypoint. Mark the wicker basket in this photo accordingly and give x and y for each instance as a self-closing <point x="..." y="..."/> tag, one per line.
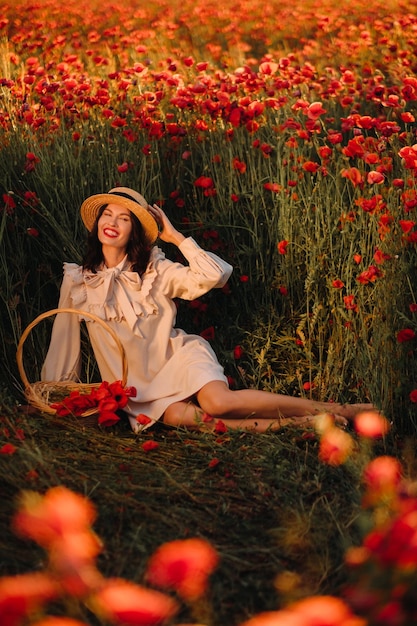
<point x="40" y="394"/>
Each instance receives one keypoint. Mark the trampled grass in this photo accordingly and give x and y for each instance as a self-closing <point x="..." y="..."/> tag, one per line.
<point x="271" y="509"/>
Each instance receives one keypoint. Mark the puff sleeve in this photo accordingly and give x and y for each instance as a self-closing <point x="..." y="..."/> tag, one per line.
<point x="63" y="359"/>
<point x="205" y="271"/>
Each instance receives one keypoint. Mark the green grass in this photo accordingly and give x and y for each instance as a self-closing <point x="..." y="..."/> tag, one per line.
<point x="269" y="506"/>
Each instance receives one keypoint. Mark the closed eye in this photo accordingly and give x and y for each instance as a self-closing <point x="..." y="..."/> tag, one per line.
<point x="124" y="217"/>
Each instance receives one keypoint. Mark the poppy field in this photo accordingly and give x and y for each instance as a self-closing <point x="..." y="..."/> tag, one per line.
<point x="281" y="136"/>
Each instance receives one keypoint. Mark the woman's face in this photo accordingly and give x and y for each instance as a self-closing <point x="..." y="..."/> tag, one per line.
<point x="114" y="227"/>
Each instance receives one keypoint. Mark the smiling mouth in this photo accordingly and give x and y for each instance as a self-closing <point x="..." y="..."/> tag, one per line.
<point x="109" y="232"/>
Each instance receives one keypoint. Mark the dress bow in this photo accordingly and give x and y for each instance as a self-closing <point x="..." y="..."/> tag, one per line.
<point x="111" y="287"/>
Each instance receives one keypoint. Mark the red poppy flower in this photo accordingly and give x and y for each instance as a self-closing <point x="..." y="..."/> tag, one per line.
<point x="23" y="594"/>
<point x="409" y="156"/>
<point x="325" y="152"/>
<point x="8" y="448"/>
<point x="238" y="165"/>
<point x="210" y="193"/>
<point x="354" y="175"/>
<point x="266" y="149"/>
<point x="371" y="424"/>
<point x="406" y="334"/>
<point x="355" y="148"/>
<point x="381" y="476"/>
<point x="371" y="159"/>
<point x="252" y="126"/>
<point x="311" y="166"/>
<point x="409" y="199"/>
<point x="370" y="275"/>
<point x="406" y="225"/>
<point x="380" y="257"/>
<point x="108" y="404"/>
<point x="315" y="110"/>
<point x="350" y="303"/>
<point x="338" y="284"/>
<point x="143" y="419"/>
<point x="268" y="68"/>
<point x="334" y="137"/>
<point x="9" y="203"/>
<point x="184" y="565"/>
<point x="335" y="446"/>
<point x="29" y="167"/>
<point x="123" y="602"/>
<point x="412" y="237"/>
<point x="107" y="417"/>
<point x="120" y="393"/>
<point x="220" y="427"/>
<point x="210" y="234"/>
<point x="204" y="182"/>
<point x="147" y="446"/>
<point x="375" y="178"/>
<point x="238" y="352"/>
<point x="30" y="156"/>
<point x="275" y="187"/>
<point x="75" y="404"/>
<point x="31" y="198"/>
<point x="385" y="220"/>
<point x="324" y="610"/>
<point x="59" y="513"/>
<point x="208" y="333"/>
<point x="118" y="122"/>
<point x="282" y="246"/>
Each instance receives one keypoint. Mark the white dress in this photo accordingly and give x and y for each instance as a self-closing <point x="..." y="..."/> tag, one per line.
<point x="165" y="364"/>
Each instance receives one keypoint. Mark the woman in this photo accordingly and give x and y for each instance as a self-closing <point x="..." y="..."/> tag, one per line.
<point x="129" y="283"/>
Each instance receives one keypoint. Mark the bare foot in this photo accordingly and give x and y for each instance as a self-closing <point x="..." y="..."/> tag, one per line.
<point x="307" y="421"/>
<point x="341" y="421"/>
<point x="350" y="411"/>
<point x="311" y="421"/>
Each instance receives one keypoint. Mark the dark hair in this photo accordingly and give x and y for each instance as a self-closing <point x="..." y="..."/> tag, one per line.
<point x="138" y="251"/>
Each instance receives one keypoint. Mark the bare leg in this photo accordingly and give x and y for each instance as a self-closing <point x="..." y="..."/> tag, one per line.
<point x="218" y="400"/>
<point x="193" y="417"/>
<point x="254" y="410"/>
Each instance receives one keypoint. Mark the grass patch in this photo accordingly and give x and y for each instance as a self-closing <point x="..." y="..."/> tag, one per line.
<point x="264" y="501"/>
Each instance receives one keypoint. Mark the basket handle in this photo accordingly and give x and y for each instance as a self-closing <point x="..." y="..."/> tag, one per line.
<point x="42" y="316"/>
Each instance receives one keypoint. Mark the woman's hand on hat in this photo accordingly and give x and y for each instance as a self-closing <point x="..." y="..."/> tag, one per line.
<point x="167" y="232"/>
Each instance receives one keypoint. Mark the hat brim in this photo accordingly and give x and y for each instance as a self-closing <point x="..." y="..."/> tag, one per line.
<point x="91" y="207"/>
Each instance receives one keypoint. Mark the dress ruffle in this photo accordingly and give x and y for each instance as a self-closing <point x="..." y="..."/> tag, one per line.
<point x="116" y="293"/>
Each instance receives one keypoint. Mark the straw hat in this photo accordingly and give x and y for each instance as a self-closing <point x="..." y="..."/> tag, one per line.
<point x="123" y="197"/>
